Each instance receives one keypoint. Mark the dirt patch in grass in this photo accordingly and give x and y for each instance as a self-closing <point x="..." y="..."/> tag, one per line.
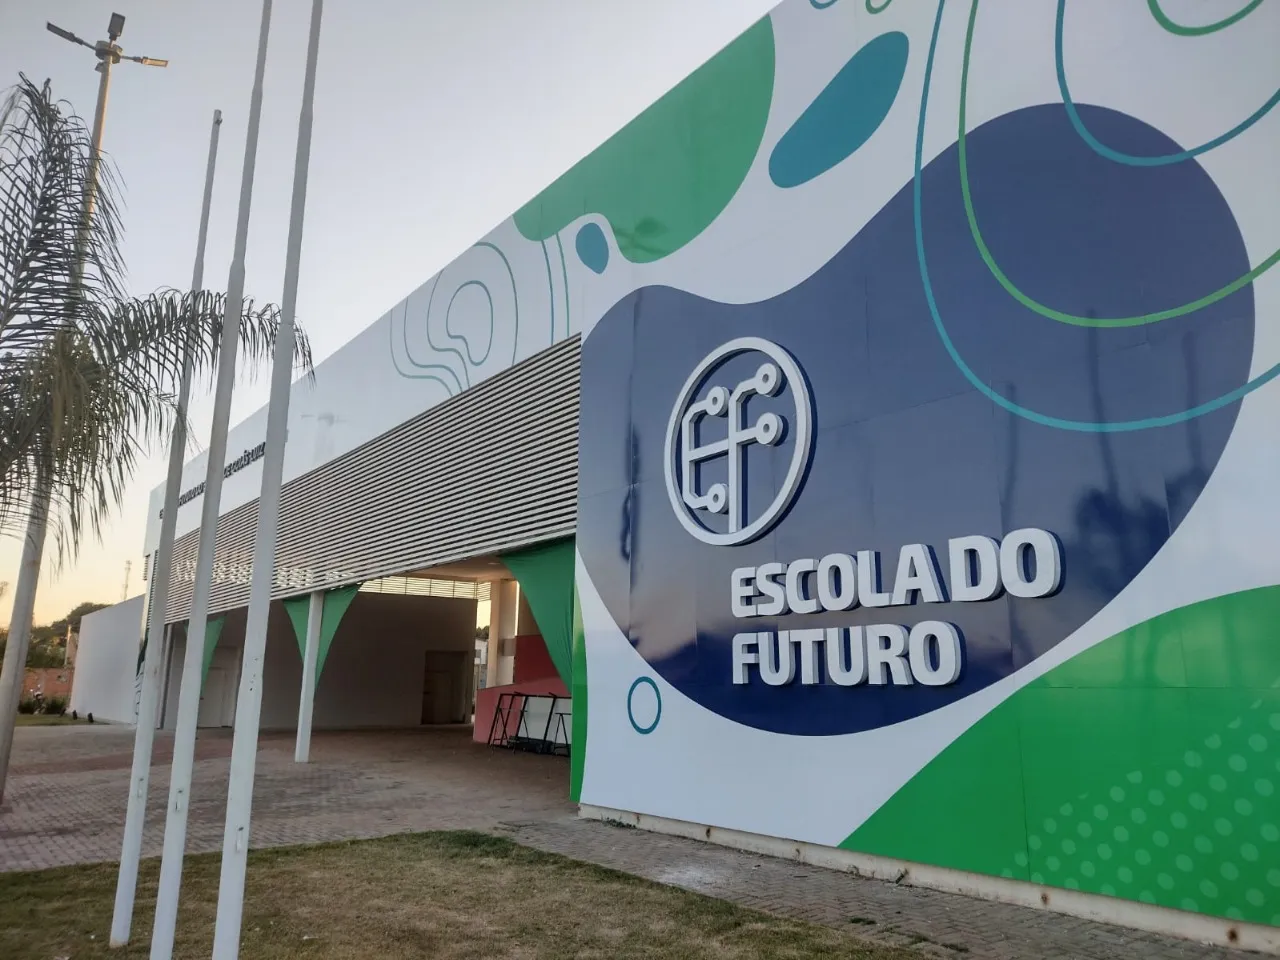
<point x="448" y="896"/>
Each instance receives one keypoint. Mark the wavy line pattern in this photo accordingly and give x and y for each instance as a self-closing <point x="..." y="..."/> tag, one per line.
<point x="1120" y="157"/>
<point x="564" y="273"/>
<point x="420" y="373"/>
<point x="987" y="257"/>
<point x="464" y="341"/>
<point x="551" y="291"/>
<point x="465" y="351"/>
<point x="1185" y="31"/>
<point x="435" y="346"/>
<point x="1114" y="426"/>
<point x="515" y="298"/>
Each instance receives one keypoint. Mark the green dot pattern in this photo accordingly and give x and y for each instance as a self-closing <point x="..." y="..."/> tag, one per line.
<point x="1146" y="768"/>
<point x="1196" y="843"/>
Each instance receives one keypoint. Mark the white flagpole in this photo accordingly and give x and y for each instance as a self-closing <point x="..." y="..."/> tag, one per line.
<point x="158" y="599"/>
<point x="189" y="698"/>
<point x="244" y="749"/>
<point x="180" y="771"/>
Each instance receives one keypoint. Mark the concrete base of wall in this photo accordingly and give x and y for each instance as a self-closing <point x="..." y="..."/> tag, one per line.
<point x="1126" y="913"/>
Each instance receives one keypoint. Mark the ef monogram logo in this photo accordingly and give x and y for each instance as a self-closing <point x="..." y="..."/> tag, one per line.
<point x="708" y="425"/>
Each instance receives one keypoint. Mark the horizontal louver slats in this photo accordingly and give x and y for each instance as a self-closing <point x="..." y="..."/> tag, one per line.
<point x="492" y="469"/>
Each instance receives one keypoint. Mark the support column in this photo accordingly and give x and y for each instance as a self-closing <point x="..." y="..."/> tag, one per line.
<point x="503" y="606"/>
<point x="310" y="663"/>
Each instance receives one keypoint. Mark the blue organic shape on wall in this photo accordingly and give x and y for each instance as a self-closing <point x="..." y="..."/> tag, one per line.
<point x="844" y="115"/>
<point x="908" y="448"/>
<point x="593" y="248"/>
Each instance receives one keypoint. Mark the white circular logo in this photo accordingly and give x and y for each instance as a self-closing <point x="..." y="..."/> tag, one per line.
<point x="686" y="448"/>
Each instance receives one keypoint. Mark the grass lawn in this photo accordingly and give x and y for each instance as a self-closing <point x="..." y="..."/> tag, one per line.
<point x="440" y="895"/>
<point x="45" y="720"/>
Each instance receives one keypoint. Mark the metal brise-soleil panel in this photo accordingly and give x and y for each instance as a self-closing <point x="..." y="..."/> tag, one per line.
<point x="492" y="469"/>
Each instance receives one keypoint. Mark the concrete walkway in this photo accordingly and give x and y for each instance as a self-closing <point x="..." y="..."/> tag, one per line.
<point x="67" y="799"/>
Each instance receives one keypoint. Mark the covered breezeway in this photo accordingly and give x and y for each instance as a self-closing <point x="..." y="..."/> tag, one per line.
<point x="391" y="657"/>
<point x="481" y="642"/>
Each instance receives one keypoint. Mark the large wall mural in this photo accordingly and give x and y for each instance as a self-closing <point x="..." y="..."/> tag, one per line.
<point x="928" y="450"/>
<point x="922" y="489"/>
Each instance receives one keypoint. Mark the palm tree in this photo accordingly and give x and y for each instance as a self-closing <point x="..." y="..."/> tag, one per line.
<point x="87" y="374"/>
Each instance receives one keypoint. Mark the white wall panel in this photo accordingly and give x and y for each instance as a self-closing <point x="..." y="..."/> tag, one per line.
<point x="107" y="661"/>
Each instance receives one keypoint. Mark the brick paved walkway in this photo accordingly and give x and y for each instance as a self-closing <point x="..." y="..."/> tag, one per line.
<point x="67" y="791"/>
<point x="67" y="798"/>
<point x="936" y="924"/>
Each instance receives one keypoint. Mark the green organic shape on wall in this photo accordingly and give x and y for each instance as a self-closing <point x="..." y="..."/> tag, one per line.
<point x="844" y="115"/>
<point x="592" y="247"/>
<point x="663" y="178"/>
<point x="1147" y="768"/>
<point x="545" y="574"/>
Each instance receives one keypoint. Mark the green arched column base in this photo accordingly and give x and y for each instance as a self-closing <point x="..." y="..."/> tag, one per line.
<point x="336" y="603"/>
<point x="212" y="631"/>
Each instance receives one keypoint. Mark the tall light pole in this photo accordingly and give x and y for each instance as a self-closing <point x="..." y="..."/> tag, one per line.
<point x="109" y="54"/>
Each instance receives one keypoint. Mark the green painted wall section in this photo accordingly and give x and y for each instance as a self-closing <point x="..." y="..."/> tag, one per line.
<point x="545" y="573"/>
<point x="1147" y="767"/>
<point x="335" y="607"/>
<point x="663" y="178"/>
<point x="578" y="753"/>
<point x="212" y="631"/>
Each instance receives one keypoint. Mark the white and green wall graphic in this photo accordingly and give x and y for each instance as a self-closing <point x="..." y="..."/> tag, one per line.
<point x="927" y="473"/>
<point x="928" y="451"/>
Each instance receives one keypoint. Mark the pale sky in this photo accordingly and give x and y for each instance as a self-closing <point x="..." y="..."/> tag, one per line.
<point x="434" y="121"/>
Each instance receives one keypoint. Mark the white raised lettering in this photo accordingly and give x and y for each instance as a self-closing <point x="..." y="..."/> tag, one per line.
<point x="917" y="574"/>
<point x="856" y="670"/>
<point x="746" y="651"/>
<point x="981" y="581"/>
<point x="797" y="600"/>
<point x="1046" y="555"/>
<point x="769" y="587"/>
<point x="887" y="655"/>
<point x="810" y="655"/>
<point x="869" y="580"/>
<point x="777" y="658"/>
<point x="742" y="591"/>
<point x="932" y="640"/>
<point x="837" y="582"/>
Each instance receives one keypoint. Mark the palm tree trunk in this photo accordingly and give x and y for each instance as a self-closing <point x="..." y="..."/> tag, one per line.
<point x="24" y="600"/>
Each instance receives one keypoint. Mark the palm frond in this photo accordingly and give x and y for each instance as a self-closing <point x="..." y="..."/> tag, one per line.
<point x="54" y="266"/>
<point x="88" y="376"/>
<point x="90" y="405"/>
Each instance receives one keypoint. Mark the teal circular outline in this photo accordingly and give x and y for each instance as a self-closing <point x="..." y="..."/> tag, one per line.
<point x="643" y="731"/>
